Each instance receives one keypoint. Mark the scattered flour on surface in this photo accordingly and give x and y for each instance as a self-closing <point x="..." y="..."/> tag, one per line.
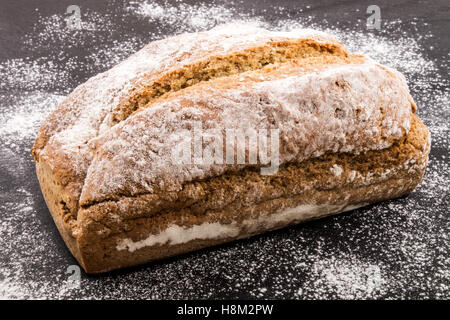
<point x="397" y="249"/>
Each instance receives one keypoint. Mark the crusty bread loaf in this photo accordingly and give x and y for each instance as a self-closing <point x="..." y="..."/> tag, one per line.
<point x="346" y="128"/>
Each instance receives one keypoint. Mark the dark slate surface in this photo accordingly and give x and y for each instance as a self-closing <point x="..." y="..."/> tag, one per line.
<point x="397" y="249"/>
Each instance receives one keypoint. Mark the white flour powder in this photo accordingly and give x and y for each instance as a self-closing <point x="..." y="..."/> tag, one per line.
<point x="398" y="249"/>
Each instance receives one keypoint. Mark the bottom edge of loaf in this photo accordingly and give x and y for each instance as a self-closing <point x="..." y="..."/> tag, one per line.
<point x="120" y="251"/>
<point x="176" y="240"/>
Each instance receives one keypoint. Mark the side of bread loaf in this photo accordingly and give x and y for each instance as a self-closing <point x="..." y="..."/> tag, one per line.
<point x="348" y="136"/>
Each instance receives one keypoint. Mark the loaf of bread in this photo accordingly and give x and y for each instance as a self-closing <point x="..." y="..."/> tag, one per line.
<point x="208" y="137"/>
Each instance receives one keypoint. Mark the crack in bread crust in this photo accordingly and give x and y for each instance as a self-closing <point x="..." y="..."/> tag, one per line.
<point x="232" y="190"/>
<point x="336" y="108"/>
<point x="149" y="89"/>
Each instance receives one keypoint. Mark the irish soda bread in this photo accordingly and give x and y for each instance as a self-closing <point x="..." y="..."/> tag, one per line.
<point x="340" y="132"/>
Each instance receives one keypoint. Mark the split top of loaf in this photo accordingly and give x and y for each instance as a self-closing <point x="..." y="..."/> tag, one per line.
<point x="114" y="135"/>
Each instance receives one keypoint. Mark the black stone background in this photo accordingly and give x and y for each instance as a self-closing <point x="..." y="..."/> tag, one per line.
<point x="214" y="272"/>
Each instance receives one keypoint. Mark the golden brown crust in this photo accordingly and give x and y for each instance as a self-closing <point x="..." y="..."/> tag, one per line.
<point x="56" y="198"/>
<point x="151" y="87"/>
